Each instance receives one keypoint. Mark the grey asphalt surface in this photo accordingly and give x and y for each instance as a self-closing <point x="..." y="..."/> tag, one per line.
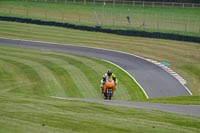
<point x="193" y="110"/>
<point x="155" y="81"/>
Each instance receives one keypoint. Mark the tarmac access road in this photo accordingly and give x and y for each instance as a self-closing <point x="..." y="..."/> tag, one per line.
<point x="154" y="81"/>
<point x="193" y="110"/>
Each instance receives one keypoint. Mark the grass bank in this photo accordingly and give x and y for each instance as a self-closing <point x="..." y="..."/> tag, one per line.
<point x="22" y="113"/>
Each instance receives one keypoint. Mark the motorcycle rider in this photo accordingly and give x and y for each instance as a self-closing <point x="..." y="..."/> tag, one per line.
<point x="108" y="75"/>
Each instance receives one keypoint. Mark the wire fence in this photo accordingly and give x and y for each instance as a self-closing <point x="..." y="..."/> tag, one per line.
<point x="125" y="3"/>
<point x="128" y="18"/>
<point x="139" y="19"/>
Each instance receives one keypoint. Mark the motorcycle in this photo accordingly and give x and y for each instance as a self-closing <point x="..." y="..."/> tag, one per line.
<point x="108" y="89"/>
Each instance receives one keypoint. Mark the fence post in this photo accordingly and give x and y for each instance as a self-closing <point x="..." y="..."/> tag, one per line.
<point x="45" y="15"/>
<point x="113" y="2"/>
<point x="133" y="3"/>
<point x="199" y="28"/>
<point x="157" y="25"/>
<point x="79" y="18"/>
<point x="185" y="27"/>
<point x="27" y="12"/>
<point x="143" y="25"/>
<point x="143" y="3"/>
<point x="10" y="11"/>
<point x="113" y="22"/>
<point x="173" y="22"/>
<point x="62" y="17"/>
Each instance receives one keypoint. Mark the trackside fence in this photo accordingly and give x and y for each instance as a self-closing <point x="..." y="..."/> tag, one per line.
<point x="125" y="3"/>
<point x="127" y="18"/>
<point x="118" y="32"/>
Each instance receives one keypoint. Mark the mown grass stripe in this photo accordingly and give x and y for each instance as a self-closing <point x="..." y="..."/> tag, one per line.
<point x="45" y="74"/>
<point x="38" y="81"/>
<point x="7" y="76"/>
<point x="19" y="78"/>
<point x="27" y="71"/>
<point x="62" y="77"/>
<point x="79" y="78"/>
<point x="92" y="76"/>
<point x="60" y="74"/>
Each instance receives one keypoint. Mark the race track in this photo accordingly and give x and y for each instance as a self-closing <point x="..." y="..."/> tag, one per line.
<point x="154" y="81"/>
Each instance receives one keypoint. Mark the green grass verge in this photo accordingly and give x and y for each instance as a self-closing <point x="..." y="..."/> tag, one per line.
<point x="176" y="20"/>
<point x="189" y="100"/>
<point x="22" y="113"/>
<point x="57" y="74"/>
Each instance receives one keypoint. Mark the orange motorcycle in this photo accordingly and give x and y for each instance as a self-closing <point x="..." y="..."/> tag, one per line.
<point x="109" y="88"/>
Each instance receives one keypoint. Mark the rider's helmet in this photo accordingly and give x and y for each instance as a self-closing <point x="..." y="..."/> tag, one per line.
<point x="109" y="72"/>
